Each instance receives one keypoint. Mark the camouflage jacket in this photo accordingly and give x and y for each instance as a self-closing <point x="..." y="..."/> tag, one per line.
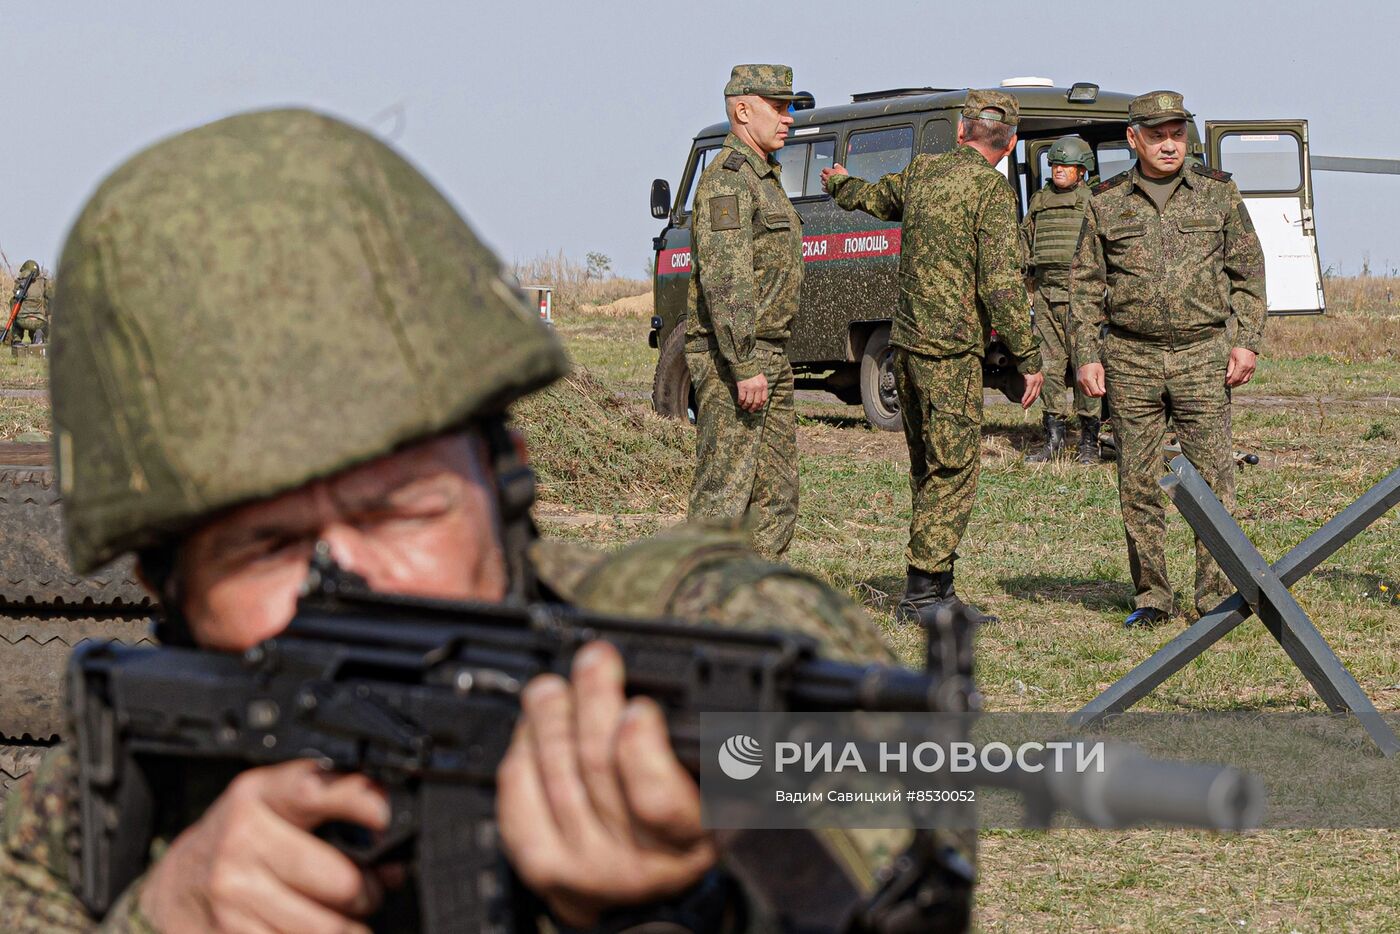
<point x="1049" y="233"/>
<point x="704" y="574"/>
<point x="37" y="299"/>
<point x="960" y="254"/>
<point x="1174" y="277"/>
<point x="746" y="258"/>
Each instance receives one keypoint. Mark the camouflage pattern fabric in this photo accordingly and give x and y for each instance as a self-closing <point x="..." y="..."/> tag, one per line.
<point x="1049" y="234"/>
<point x="773" y="81"/>
<point x="706" y="574"/>
<point x="941" y="401"/>
<point x="1053" y="333"/>
<point x="747" y="269"/>
<point x="164" y="412"/>
<point x="746" y="258"/>
<point x="959" y="263"/>
<point x="746" y="462"/>
<point x="1176" y="276"/>
<point x="1149" y="382"/>
<point x="1160" y="299"/>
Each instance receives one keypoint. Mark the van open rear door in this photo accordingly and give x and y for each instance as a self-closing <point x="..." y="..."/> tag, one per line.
<point x="1270" y="163"/>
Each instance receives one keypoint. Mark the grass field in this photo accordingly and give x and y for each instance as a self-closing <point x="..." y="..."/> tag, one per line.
<point x="1045" y="552"/>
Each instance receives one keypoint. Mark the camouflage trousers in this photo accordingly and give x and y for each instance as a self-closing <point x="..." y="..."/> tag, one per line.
<point x="1148" y="384"/>
<point x="940" y="399"/>
<point x="1053" y="331"/>
<point x="27" y="324"/>
<point x="746" y="462"/>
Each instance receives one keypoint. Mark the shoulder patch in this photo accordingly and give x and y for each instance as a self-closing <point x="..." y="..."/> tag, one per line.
<point x="1113" y="182"/>
<point x="724" y="212"/>
<point x="734" y="161"/>
<point x="1218" y="174"/>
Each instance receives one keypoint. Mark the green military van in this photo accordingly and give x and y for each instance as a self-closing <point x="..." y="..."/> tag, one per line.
<point x="840" y="338"/>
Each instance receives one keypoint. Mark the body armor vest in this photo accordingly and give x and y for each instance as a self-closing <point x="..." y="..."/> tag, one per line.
<point x="1058" y="217"/>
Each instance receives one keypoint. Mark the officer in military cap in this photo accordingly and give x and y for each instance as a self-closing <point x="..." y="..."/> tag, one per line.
<point x="33" y="317"/>
<point x="746" y="269"/>
<point x="1049" y="233"/>
<point x="1167" y="304"/>
<point x="224" y="467"/>
<point x="959" y="276"/>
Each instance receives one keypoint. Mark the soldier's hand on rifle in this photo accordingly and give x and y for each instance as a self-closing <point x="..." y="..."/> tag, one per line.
<point x="836" y="169"/>
<point x="1241" y="367"/>
<point x="1033" y="384"/>
<point x="595" y="810"/>
<point x="1091" y="379"/>
<point x="251" y="862"/>
<point x="753" y="393"/>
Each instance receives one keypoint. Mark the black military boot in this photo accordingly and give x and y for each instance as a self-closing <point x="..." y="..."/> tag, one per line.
<point x="949" y="597"/>
<point x="1055" y="429"/>
<point x="920" y="590"/>
<point x="1088" y="441"/>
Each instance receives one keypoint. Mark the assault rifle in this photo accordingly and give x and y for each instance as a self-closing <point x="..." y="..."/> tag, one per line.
<point x="422" y="696"/>
<point x="16" y="300"/>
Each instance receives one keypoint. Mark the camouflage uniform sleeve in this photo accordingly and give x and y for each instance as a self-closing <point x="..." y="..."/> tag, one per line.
<point x="884" y="199"/>
<point x="724" y="246"/>
<point x="1000" y="285"/>
<point x="1088" y="290"/>
<point x="1027" y="240"/>
<point x="1244" y="266"/>
<point x="37" y="855"/>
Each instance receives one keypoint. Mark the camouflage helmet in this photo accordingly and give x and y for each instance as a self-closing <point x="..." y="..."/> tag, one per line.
<point x="1071" y="150"/>
<point x="27" y="268"/>
<point x="167" y="403"/>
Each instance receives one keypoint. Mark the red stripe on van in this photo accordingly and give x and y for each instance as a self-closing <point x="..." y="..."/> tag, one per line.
<point x="860" y="244"/>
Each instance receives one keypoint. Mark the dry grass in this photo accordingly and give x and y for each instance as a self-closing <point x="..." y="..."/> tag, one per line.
<point x="573" y="286"/>
<point x="1362" y="324"/>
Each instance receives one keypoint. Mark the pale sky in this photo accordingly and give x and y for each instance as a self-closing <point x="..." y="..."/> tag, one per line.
<point x="546" y="121"/>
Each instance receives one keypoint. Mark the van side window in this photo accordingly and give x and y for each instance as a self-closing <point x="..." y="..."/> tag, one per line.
<point x="823" y="155"/>
<point x="802" y="166"/>
<point x="879" y="152"/>
<point x="938" y="136"/>
<point x="702" y="159"/>
<point x="1263" y="161"/>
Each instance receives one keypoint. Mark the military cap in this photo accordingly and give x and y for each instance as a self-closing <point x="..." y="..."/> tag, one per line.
<point x="992" y="105"/>
<point x="773" y="81"/>
<point x="1157" y="107"/>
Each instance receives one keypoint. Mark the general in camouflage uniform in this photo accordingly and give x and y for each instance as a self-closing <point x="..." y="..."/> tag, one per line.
<point x="33" y="317"/>
<point x="1049" y="234"/>
<point x="1167" y="258"/>
<point x="959" y="276"/>
<point x="746" y="269"/>
<point x="224" y="467"/>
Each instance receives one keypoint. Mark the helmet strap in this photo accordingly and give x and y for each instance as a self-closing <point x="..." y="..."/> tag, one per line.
<point x="515" y="494"/>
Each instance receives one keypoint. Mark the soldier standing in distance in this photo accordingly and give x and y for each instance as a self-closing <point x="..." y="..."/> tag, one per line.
<point x="959" y="276"/>
<point x="33" y="315"/>
<point x="746" y="258"/>
<point x="1167" y="257"/>
<point x="1049" y="233"/>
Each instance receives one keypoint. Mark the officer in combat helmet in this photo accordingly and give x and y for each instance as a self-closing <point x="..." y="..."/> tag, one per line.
<point x="1167" y="304"/>
<point x="225" y="468"/>
<point x="1049" y="233"/>
<point x="746" y="248"/>
<point x="33" y="317"/>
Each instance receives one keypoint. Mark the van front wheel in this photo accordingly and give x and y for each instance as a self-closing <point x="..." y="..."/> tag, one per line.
<point x="671" y="392"/>
<point x="877" y="393"/>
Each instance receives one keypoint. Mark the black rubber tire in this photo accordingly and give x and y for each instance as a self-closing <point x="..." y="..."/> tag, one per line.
<point x="877" y="393"/>
<point x="671" y="392"/>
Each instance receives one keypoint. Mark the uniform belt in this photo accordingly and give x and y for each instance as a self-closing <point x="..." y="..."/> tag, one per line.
<point x="1179" y="340"/>
<point x="707" y="342"/>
